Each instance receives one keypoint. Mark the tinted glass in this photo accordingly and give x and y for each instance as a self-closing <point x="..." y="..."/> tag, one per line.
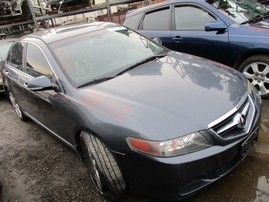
<point x="157" y="20"/>
<point x="102" y="53"/>
<point x="15" y="56"/>
<point x="133" y="21"/>
<point x="36" y="63"/>
<point x="191" y="18"/>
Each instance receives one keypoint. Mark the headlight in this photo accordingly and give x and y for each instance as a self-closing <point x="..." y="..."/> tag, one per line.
<point x="175" y="147"/>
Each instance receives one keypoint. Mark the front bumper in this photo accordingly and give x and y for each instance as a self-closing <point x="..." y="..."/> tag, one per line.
<point x="178" y="177"/>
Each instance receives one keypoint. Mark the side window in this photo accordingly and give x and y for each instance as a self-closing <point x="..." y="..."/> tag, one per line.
<point x="15" y="56"/>
<point x="192" y="18"/>
<point x="36" y="63"/>
<point x="133" y="21"/>
<point x="157" y="20"/>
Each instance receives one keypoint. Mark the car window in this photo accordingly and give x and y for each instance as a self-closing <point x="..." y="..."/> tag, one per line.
<point x="36" y="62"/>
<point x="15" y="56"/>
<point x="133" y="21"/>
<point x="157" y="20"/>
<point x="191" y="18"/>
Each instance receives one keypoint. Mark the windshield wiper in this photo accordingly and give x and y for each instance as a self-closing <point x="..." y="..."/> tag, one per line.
<point x="266" y="15"/>
<point x="125" y="70"/>
<point x="96" y="81"/>
<point x="249" y="21"/>
<point x="256" y="18"/>
<point x="141" y="62"/>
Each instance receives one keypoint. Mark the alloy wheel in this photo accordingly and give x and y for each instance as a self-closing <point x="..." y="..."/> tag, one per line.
<point x="258" y="74"/>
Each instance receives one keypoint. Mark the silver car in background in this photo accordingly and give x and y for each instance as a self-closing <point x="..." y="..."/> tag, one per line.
<point x="4" y="47"/>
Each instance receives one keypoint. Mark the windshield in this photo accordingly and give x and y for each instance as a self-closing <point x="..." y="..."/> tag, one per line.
<point x="103" y="53"/>
<point x="241" y="10"/>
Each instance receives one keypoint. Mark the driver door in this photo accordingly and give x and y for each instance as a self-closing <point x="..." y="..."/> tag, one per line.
<point x="189" y="35"/>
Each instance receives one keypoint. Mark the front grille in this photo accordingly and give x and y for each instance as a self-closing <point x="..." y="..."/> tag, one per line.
<point x="236" y="123"/>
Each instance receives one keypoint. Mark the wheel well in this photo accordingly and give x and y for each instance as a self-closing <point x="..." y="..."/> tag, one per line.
<point x="78" y="143"/>
<point x="243" y="57"/>
<point x="5" y="88"/>
<point x="6" y="92"/>
<point x="77" y="139"/>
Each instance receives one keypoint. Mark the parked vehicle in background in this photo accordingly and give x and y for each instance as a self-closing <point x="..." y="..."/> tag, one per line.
<point x="235" y="33"/>
<point x="20" y="8"/>
<point x="5" y="44"/>
<point x="12" y="7"/>
<point x="126" y="105"/>
<point x="58" y="4"/>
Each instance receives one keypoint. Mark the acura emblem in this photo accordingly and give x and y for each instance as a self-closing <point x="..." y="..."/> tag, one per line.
<point x="240" y="120"/>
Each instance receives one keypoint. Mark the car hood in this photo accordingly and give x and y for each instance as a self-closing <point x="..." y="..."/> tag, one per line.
<point x="262" y="24"/>
<point x="169" y="97"/>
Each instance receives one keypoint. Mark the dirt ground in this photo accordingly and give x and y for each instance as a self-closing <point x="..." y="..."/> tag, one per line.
<point x="34" y="166"/>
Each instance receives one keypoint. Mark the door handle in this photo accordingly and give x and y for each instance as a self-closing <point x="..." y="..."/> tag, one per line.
<point x="6" y="72"/>
<point x="177" y="39"/>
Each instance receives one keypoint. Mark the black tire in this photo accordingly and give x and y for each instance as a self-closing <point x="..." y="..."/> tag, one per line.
<point x="104" y="170"/>
<point x="256" y="69"/>
<point x="16" y="107"/>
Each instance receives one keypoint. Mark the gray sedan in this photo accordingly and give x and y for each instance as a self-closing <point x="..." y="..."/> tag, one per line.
<point x="143" y="118"/>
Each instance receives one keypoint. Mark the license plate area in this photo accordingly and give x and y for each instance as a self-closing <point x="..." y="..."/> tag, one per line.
<point x="249" y="143"/>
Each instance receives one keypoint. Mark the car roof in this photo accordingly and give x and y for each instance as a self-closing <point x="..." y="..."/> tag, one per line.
<point x="164" y="2"/>
<point x="58" y="33"/>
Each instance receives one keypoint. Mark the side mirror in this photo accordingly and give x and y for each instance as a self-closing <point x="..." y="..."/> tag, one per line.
<point x="215" y="26"/>
<point x="39" y="83"/>
<point x="157" y="40"/>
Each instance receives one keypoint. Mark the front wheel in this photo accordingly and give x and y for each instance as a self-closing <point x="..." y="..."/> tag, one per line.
<point x="105" y="172"/>
<point x="16" y="107"/>
<point x="256" y="69"/>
